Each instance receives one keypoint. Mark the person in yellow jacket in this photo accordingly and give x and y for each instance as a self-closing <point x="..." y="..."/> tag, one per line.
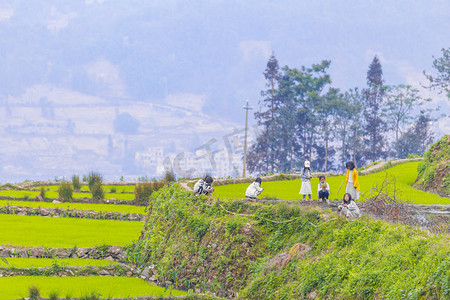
<point x="351" y="180"/>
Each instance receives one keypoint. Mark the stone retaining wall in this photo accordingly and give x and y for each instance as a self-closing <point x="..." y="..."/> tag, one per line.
<point x="69" y="213"/>
<point x="74" y="200"/>
<point x="113" y="253"/>
<point x="32" y="184"/>
<point x="62" y="271"/>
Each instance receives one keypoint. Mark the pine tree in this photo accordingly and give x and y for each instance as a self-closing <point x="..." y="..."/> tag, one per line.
<point x="373" y="102"/>
<point x="262" y="154"/>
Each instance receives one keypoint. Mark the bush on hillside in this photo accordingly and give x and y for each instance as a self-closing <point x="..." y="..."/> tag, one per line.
<point x="97" y="192"/>
<point x="143" y="191"/>
<point x="34" y="293"/>
<point x="93" y="178"/>
<point x="42" y="192"/>
<point x="54" y="295"/>
<point x="76" y="183"/>
<point x="434" y="170"/>
<point x="65" y="191"/>
<point x="169" y="177"/>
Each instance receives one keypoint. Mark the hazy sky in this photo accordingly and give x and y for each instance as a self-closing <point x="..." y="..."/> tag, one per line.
<point x="198" y="59"/>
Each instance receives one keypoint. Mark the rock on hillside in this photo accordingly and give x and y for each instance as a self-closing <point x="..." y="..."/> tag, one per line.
<point x="434" y="171"/>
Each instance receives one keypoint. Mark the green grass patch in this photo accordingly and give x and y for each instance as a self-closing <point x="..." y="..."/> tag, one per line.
<point x="405" y="175"/>
<point x="64" y="232"/>
<point x="85" y="188"/>
<point x="24" y="263"/>
<point x="54" y="195"/>
<point x="17" y="287"/>
<point x="127" y="197"/>
<point x="127" y="209"/>
<point x="119" y="196"/>
<point x="20" y="194"/>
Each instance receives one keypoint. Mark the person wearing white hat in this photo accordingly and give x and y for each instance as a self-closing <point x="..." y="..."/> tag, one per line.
<point x="306" y="181"/>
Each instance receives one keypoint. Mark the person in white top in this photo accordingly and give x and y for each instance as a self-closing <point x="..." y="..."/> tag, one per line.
<point x="323" y="189"/>
<point x="254" y="189"/>
<point x="348" y="208"/>
<point x="203" y="186"/>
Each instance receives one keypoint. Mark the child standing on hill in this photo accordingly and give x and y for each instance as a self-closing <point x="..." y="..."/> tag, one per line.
<point x="306" y="181"/>
<point x="351" y="180"/>
<point x="203" y="186"/>
<point x="254" y="189"/>
<point x="323" y="189"/>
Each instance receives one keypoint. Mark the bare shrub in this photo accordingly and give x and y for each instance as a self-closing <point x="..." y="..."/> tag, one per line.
<point x="385" y="202"/>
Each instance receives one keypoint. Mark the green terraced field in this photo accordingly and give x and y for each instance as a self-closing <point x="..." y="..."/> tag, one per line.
<point x="23" y="263"/>
<point x="127" y="197"/>
<point x="65" y="232"/>
<point x="54" y="195"/>
<point x="289" y="190"/>
<point x="17" y="287"/>
<point x="107" y="188"/>
<point x="18" y="194"/>
<point x="126" y="209"/>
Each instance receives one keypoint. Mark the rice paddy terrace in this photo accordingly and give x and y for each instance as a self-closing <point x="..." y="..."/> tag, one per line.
<point x="71" y="249"/>
<point x="77" y="248"/>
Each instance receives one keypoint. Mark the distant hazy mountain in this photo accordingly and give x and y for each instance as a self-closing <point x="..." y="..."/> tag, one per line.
<point x="78" y="78"/>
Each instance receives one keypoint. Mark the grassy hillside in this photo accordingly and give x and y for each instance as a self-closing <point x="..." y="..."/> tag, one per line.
<point x="434" y="171"/>
<point x="232" y="248"/>
<point x="405" y="175"/>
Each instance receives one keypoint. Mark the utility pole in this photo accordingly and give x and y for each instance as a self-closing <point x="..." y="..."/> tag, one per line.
<point x="246" y="107"/>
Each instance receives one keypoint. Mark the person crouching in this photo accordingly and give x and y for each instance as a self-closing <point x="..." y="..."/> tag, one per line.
<point x="348" y="208"/>
<point x="203" y="186"/>
<point x="323" y="189"/>
<point x="254" y="189"/>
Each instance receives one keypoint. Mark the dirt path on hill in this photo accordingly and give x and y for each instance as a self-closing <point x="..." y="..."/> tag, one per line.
<point x="379" y="166"/>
